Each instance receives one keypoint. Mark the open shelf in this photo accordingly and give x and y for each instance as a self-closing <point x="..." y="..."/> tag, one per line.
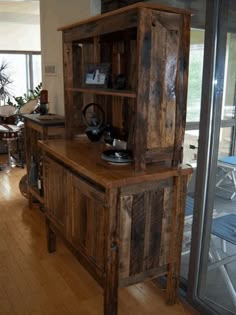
<point x="105" y="91"/>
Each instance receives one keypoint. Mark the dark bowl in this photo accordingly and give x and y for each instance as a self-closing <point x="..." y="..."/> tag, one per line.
<point x="94" y="136"/>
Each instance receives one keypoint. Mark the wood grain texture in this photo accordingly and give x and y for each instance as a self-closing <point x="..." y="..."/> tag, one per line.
<point x="55" y="198"/>
<point x="146" y="217"/>
<point x="125" y="235"/>
<point x="177" y="226"/>
<point x="112" y="253"/>
<point x="94" y="28"/>
<point x="85" y="158"/>
<point x="133" y="7"/>
<point x="87" y="221"/>
<point x="181" y="87"/>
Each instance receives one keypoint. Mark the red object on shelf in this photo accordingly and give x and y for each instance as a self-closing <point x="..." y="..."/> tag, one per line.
<point x="44" y="97"/>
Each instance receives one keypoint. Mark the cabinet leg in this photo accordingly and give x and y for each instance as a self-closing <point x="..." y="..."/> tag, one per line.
<point x="51" y="238"/>
<point x="111" y="299"/>
<point x="172" y="286"/>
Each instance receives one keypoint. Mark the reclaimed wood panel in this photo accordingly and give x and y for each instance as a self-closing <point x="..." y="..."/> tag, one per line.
<point x="182" y="88"/>
<point x="125" y="235"/>
<point x="112" y="252"/>
<point x="159" y="123"/>
<point x="146" y="218"/>
<point x="137" y="234"/>
<point x="87" y="220"/>
<point x="55" y="198"/>
<point x="162" y="76"/>
<point x="72" y="75"/>
<point x="115" y="23"/>
<point x="177" y="226"/>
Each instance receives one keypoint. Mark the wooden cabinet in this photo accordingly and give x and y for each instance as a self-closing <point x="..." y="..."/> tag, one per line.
<point x="124" y="226"/>
<point x="150" y="112"/>
<point x="39" y="129"/>
<point x="125" y="223"/>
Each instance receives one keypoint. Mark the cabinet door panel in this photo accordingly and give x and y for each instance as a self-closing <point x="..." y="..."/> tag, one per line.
<point x="87" y="232"/>
<point x="55" y="190"/>
<point x="145" y="229"/>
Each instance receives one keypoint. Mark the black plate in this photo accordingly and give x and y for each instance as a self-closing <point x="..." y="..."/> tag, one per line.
<point x="117" y="156"/>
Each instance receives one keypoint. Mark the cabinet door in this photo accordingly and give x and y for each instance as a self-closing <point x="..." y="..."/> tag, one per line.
<point x="55" y="187"/>
<point x="87" y="221"/>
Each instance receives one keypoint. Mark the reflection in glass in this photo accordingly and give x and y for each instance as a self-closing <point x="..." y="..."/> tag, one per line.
<point x="229" y="101"/>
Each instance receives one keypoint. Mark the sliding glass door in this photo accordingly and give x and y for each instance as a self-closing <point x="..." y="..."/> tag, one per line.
<point x="212" y="274"/>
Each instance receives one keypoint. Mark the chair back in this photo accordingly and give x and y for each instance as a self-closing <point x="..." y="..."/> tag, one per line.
<point x="29" y="107"/>
<point x="7" y="114"/>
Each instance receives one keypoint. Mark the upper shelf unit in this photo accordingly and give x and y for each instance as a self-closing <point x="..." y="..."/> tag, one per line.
<point x="138" y="57"/>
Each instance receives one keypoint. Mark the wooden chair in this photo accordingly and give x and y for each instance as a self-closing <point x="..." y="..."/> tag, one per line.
<point x="7" y="114"/>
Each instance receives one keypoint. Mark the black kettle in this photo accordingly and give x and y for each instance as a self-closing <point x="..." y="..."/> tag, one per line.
<point x="94" y="121"/>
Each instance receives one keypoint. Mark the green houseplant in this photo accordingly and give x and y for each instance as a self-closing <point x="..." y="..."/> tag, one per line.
<point x="32" y="95"/>
<point x="5" y="81"/>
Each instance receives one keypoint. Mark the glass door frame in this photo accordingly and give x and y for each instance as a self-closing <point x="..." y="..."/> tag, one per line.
<point x="209" y="128"/>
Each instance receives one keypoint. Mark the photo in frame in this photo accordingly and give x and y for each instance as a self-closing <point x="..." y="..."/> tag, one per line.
<point x="97" y="75"/>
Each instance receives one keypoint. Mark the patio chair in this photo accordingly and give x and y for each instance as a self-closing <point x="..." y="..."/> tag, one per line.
<point x="227" y="180"/>
<point x="224" y="227"/>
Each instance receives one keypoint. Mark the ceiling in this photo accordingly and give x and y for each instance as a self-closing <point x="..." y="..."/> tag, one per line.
<point x="19" y="11"/>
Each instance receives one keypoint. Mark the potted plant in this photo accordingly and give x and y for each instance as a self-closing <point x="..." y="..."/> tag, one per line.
<point x="32" y="95"/>
<point x="5" y="81"/>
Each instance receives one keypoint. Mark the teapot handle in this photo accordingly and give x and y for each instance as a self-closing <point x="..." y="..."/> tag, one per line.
<point x="84" y="115"/>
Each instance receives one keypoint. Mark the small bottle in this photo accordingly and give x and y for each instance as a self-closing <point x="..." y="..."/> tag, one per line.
<point x="33" y="172"/>
<point x="40" y="177"/>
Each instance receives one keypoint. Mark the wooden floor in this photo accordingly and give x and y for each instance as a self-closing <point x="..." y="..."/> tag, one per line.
<point x="34" y="282"/>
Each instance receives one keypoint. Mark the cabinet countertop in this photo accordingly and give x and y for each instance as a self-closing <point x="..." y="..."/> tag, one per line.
<point x="53" y="119"/>
<point x="85" y="158"/>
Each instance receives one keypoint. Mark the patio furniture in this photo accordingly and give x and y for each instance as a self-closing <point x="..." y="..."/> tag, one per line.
<point x="227" y="179"/>
<point x="224" y="227"/>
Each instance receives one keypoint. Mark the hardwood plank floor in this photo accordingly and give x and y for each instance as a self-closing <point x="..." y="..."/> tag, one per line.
<point x="34" y="282"/>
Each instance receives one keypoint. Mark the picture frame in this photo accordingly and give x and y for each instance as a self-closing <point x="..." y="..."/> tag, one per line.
<point x="97" y="75"/>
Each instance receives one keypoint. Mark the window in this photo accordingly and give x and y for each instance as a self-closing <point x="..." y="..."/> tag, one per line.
<point x="195" y="75"/>
<point x="24" y="71"/>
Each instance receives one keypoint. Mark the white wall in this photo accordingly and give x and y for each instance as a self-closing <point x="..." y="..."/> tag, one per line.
<point x="54" y="14"/>
<point x="19" y="26"/>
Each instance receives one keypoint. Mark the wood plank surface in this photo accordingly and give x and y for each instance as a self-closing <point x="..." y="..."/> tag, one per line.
<point x="153" y="6"/>
<point x="85" y="158"/>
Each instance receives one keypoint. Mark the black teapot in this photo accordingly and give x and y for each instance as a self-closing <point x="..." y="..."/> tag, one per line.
<point x="94" y="121"/>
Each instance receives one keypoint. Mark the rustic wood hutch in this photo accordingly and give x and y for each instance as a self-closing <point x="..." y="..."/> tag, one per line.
<point x="124" y="223"/>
